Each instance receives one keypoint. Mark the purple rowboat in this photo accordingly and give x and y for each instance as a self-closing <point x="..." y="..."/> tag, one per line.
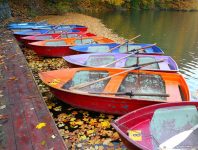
<point x="102" y="59"/>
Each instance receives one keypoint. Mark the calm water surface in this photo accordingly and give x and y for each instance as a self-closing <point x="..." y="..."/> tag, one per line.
<point x="175" y="32"/>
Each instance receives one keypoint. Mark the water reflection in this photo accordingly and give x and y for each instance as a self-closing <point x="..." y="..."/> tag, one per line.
<point x="175" y="32"/>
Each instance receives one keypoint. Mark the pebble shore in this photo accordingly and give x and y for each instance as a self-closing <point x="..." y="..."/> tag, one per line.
<point x="94" y="24"/>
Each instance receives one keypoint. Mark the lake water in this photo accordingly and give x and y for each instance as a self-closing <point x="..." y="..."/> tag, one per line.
<point x="175" y="32"/>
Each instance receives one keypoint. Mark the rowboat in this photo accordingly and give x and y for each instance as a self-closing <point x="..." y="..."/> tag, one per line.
<point x="126" y="48"/>
<point x="61" y="47"/>
<point x="115" y="91"/>
<point x="41" y="37"/>
<point x="18" y="35"/>
<point x="121" y="61"/>
<point x="36" y="26"/>
<point x="63" y="27"/>
<point x="165" y="126"/>
<point x="27" y="25"/>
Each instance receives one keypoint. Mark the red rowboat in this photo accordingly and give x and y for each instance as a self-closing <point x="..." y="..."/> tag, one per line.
<point x="60" y="47"/>
<point x="124" y="92"/>
<point x="162" y="126"/>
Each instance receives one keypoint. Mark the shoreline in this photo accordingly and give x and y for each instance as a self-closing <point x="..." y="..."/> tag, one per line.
<point x="94" y="25"/>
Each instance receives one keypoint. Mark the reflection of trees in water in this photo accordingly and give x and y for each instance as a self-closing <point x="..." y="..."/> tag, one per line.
<point x="175" y="32"/>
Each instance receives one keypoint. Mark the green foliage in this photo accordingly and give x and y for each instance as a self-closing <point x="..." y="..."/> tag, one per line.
<point x="135" y="4"/>
<point x="166" y="4"/>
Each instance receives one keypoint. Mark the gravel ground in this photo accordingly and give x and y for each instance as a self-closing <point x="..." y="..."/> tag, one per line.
<point x="94" y="25"/>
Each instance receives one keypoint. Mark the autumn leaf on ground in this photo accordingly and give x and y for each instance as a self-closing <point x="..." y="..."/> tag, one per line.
<point x="58" y="108"/>
<point x="102" y="116"/>
<point x="40" y="125"/>
<point x="90" y="132"/>
<point x="83" y="137"/>
<point x="3" y="117"/>
<point x="92" y="122"/>
<point x="78" y="122"/>
<point x="106" y="142"/>
<point x="72" y="119"/>
<point x="43" y="142"/>
<point x="105" y="124"/>
<point x="13" y="78"/>
<point x="74" y="112"/>
<point x="60" y="125"/>
<point x="115" y="136"/>
<point x="2" y="106"/>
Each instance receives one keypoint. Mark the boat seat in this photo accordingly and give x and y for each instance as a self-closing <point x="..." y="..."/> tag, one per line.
<point x="56" y="43"/>
<point x="164" y="66"/>
<point x="123" y="49"/>
<point x="98" y="49"/>
<point x="173" y="88"/>
<point x="168" y="122"/>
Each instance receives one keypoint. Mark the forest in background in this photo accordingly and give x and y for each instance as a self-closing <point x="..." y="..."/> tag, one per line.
<point x="45" y="7"/>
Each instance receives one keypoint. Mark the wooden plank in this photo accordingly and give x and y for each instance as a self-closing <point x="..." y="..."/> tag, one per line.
<point x="25" y="106"/>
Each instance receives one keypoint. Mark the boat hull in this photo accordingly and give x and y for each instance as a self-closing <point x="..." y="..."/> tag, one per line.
<point x="48" y="51"/>
<point x="109" y="105"/>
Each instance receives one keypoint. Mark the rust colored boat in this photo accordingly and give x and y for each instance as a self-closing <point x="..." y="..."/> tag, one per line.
<point x="120" y="93"/>
<point x="60" y="47"/>
<point x="160" y="127"/>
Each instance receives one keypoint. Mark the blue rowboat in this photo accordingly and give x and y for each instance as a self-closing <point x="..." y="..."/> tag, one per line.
<point x="63" y="27"/>
<point x="126" y="48"/>
<point x="20" y="34"/>
<point x="25" y="26"/>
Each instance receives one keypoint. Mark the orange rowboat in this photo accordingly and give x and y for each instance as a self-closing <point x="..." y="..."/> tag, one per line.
<point x="120" y="94"/>
<point x="60" y="47"/>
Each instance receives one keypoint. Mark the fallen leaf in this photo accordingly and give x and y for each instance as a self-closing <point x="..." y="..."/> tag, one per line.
<point x="13" y="78"/>
<point x="3" y="117"/>
<point x="78" y="122"/>
<point x="61" y="125"/>
<point x="90" y="132"/>
<point x="43" y="142"/>
<point x="40" y="125"/>
<point x="2" y="106"/>
<point x="74" y="112"/>
<point x="72" y="119"/>
<point x="59" y="108"/>
<point x="92" y="122"/>
<point x="83" y="137"/>
<point x="107" y="141"/>
<point x="53" y="136"/>
<point x="105" y="124"/>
